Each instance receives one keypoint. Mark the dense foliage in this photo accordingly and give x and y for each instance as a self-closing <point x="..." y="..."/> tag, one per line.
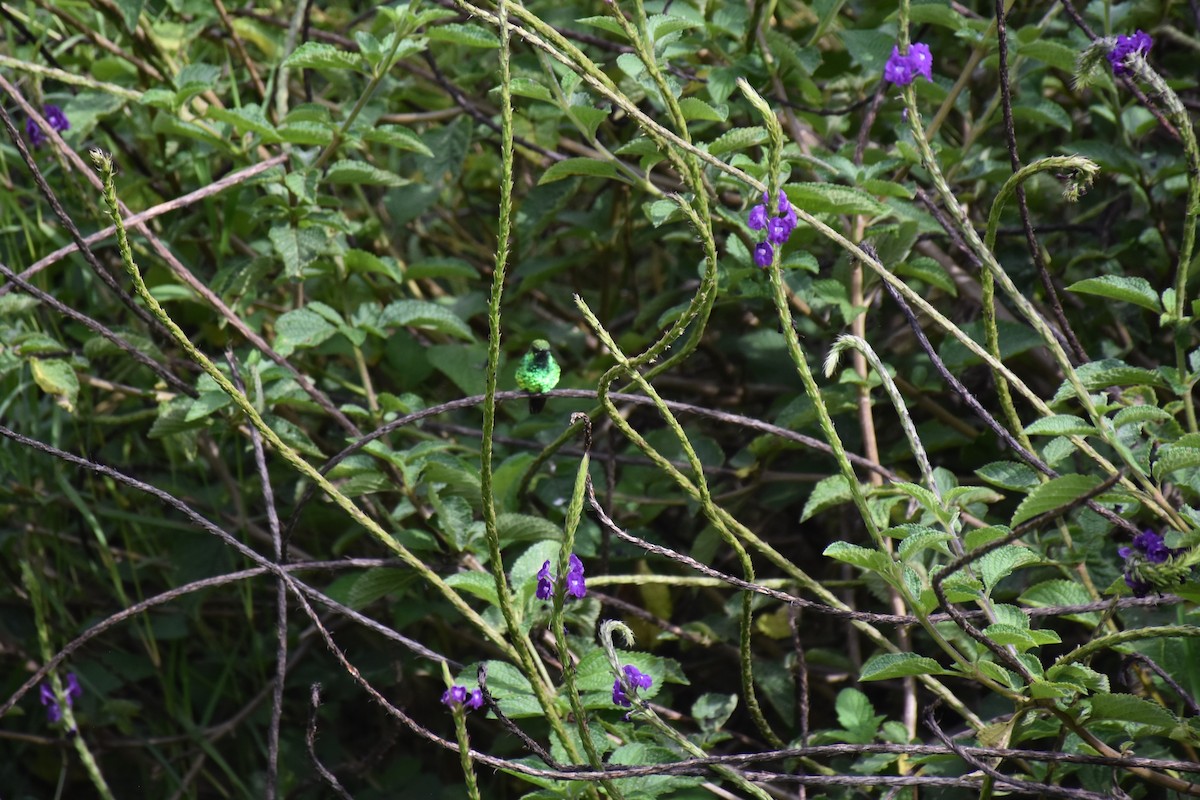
<point x="630" y="399"/>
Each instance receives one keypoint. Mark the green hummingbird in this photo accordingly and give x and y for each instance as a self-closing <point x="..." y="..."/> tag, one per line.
<point x="537" y="373"/>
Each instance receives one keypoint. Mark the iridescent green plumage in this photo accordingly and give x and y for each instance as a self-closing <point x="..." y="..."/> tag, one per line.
<point x="537" y="373"/>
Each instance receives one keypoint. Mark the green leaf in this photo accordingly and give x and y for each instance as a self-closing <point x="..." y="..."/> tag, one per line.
<point x="131" y="10"/>
<point x="305" y="132"/>
<point x="926" y="269"/>
<point x="588" y="167"/>
<point x="923" y="540"/>
<point x="480" y="584"/>
<point x="56" y="377"/>
<point x="898" y="665"/>
<point x="513" y="528"/>
<point x="1039" y="109"/>
<point x="195" y="79"/>
<point x="297" y="247"/>
<point x="360" y="172"/>
<point x="1057" y="592"/>
<point x="300" y="328"/>
<point x="247" y="119"/>
<point x="695" y="108"/>
<point x="1119" y="287"/>
<point x="1173" y="458"/>
<point x="399" y="137"/>
<point x="1009" y="475"/>
<point x="1130" y="708"/>
<point x="206" y="404"/>
<point x="458" y="33"/>
<point x="376" y="583"/>
<point x="859" y="556"/>
<point x="816" y="198"/>
<point x="424" y="314"/>
<point x="1106" y="373"/>
<point x="1137" y="415"/>
<point x="660" y="25"/>
<point x="831" y="491"/>
<point x="1060" y="425"/>
<point x="999" y="564"/>
<point x="1053" y="494"/>
<point x="528" y="87"/>
<point x="737" y="139"/>
<point x="316" y="55"/>
<point x="1055" y="54"/>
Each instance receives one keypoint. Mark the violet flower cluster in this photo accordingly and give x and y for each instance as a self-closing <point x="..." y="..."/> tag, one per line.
<point x="576" y="588"/>
<point x="458" y="696"/>
<point x="72" y="692"/>
<point x="1126" y="46"/>
<point x="1149" y="547"/>
<point x="57" y="119"/>
<point x="904" y="69"/>
<point x="778" y="227"/>
<point x="636" y="678"/>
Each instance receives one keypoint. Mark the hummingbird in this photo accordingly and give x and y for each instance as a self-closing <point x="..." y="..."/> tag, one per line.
<point x="538" y="372"/>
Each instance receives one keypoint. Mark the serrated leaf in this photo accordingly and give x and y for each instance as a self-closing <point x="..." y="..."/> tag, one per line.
<point x="660" y="25"/>
<point x="923" y="540"/>
<point x="1173" y="458"/>
<point x="376" y="583"/>
<point x="1053" y="494"/>
<point x="695" y="108"/>
<point x="56" y="377"/>
<point x="1135" y="415"/>
<point x="817" y="198"/>
<point x="206" y="404"/>
<point x="399" y="137"/>
<point x="927" y="270"/>
<point x="297" y="247"/>
<point x="528" y="87"/>
<point x="1106" y="373"/>
<point x="737" y="139"/>
<point x="1039" y="109"/>
<point x="480" y="584"/>
<point x="1130" y="708"/>
<point x="1049" y="52"/>
<point x="1120" y="287"/>
<point x="424" y="314"/>
<point x="458" y="33"/>
<point x="1080" y="675"/>
<point x="999" y="564"/>
<point x="831" y="491"/>
<point x="588" y="167"/>
<point x="317" y="55"/>
<point x="1009" y="475"/>
<point x="361" y="173"/>
<point x="300" y="328"/>
<point x="305" y="132"/>
<point x="247" y="119"/>
<point x="513" y="528"/>
<point x="1060" y="425"/>
<point x="604" y="23"/>
<point x="898" y="665"/>
<point x="859" y="556"/>
<point x="1055" y="592"/>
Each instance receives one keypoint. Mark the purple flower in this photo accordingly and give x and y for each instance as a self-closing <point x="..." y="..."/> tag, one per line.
<point x="1149" y="547"/>
<point x="545" y="586"/>
<point x="575" y="586"/>
<point x="1152" y="546"/>
<point x="1126" y="46"/>
<point x="636" y="679"/>
<point x="764" y="254"/>
<point x="758" y="215"/>
<point x="57" y="119"/>
<point x="903" y="69"/>
<point x="457" y="696"/>
<point x="72" y="692"/>
<point x="778" y="230"/>
<point x="786" y="212"/>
